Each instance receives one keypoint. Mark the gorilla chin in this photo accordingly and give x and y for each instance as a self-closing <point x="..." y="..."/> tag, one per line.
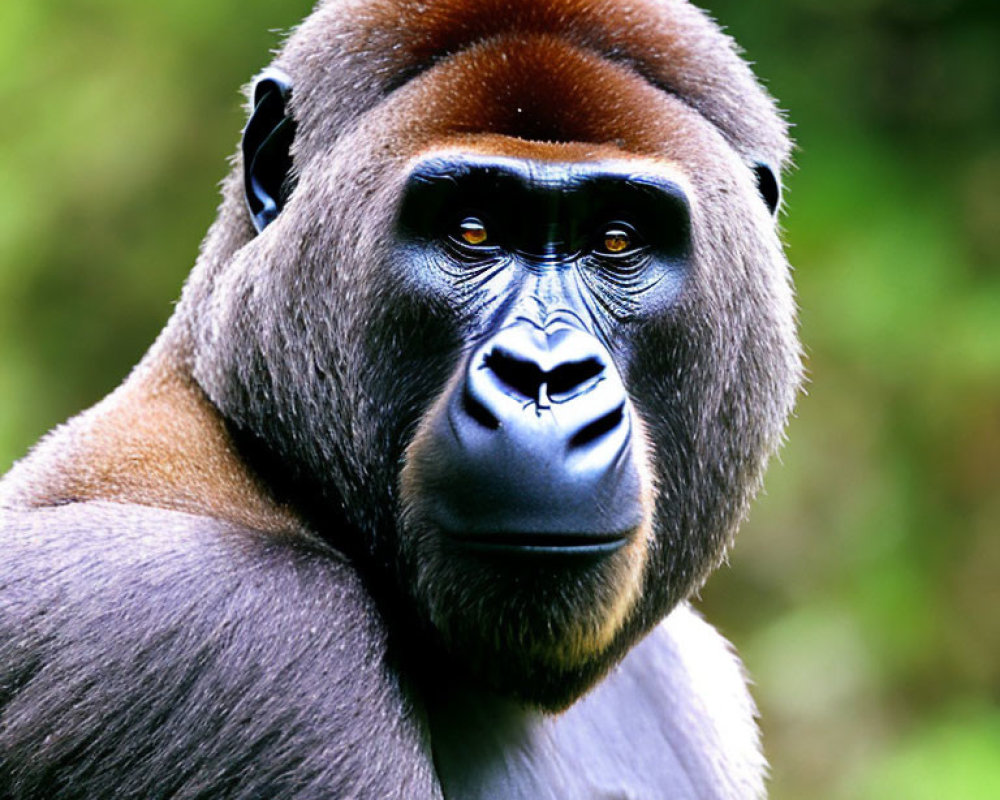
<point x="535" y="622"/>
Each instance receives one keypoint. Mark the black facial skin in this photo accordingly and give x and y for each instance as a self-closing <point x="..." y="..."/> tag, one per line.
<point x="540" y="263"/>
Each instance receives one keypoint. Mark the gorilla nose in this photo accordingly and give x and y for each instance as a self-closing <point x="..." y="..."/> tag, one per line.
<point x="537" y="451"/>
<point x="526" y="370"/>
<point x="526" y="375"/>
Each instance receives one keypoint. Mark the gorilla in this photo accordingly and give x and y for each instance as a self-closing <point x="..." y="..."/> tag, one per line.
<point x="473" y="381"/>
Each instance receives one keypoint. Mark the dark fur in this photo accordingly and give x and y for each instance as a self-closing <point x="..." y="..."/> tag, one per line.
<point x="203" y="593"/>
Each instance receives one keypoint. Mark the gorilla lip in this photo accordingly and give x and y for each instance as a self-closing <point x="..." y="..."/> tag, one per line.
<point x="542" y="544"/>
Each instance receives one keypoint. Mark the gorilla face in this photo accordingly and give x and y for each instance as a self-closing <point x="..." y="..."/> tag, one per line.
<point x="521" y="338"/>
<point x="527" y="488"/>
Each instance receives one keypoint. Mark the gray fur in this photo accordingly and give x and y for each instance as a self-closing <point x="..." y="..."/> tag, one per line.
<point x="154" y="654"/>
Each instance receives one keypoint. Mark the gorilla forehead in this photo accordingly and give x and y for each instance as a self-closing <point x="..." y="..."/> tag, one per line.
<point x="544" y="88"/>
<point x="370" y="48"/>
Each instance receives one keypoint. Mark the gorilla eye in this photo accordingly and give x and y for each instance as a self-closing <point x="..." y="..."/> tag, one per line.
<point x="617" y="240"/>
<point x="472" y="231"/>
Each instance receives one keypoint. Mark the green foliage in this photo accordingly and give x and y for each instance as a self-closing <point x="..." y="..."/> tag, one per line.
<point x="864" y="590"/>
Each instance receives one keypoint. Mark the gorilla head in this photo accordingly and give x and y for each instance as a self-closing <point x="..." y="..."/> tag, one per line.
<point x="496" y="295"/>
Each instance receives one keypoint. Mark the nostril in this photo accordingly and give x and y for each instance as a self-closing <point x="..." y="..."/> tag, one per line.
<point x="598" y="428"/>
<point x="477" y="411"/>
<point x="524" y="377"/>
<point x="568" y="377"/>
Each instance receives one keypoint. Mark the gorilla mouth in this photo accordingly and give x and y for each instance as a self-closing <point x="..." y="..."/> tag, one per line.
<point x="542" y="544"/>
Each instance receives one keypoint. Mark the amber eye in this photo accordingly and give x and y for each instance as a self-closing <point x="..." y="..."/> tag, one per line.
<point x="472" y="231"/>
<point x="616" y="240"/>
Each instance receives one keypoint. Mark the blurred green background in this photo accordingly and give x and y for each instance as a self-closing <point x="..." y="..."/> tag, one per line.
<point x="864" y="593"/>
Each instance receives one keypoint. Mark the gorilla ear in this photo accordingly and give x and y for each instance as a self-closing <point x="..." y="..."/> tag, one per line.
<point x="768" y="185"/>
<point x="267" y="142"/>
